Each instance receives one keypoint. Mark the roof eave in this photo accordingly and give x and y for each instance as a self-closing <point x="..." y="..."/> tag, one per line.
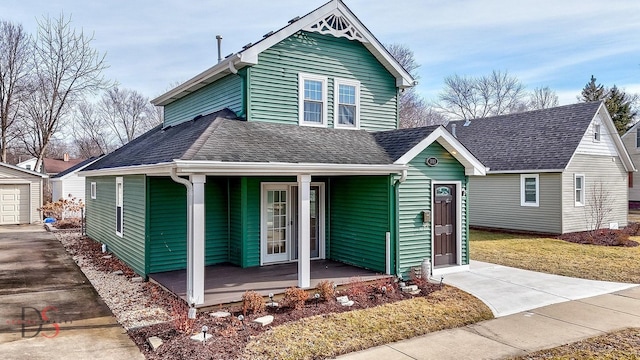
<point x="472" y="166"/>
<point x="186" y="167"/>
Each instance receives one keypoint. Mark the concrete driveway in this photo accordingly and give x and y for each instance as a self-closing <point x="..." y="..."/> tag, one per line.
<point x="508" y="290"/>
<point x="48" y="308"/>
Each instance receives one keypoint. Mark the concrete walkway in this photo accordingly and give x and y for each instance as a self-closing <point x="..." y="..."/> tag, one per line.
<point x="508" y="290"/>
<point x="534" y="311"/>
<point x="521" y="333"/>
<point x="43" y="289"/>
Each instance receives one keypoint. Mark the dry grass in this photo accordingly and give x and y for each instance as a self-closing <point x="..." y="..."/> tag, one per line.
<point x="624" y="344"/>
<point x="559" y="257"/>
<point x="331" y="335"/>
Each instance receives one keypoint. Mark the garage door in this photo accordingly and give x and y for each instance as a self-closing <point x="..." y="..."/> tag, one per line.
<point x="14" y="204"/>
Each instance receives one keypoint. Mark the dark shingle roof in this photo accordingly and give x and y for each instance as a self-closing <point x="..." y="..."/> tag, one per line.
<point x="221" y="136"/>
<point x="397" y="142"/>
<point x="534" y="140"/>
<point x="75" y="167"/>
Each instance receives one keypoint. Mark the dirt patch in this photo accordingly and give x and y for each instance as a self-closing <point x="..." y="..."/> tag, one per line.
<point x="605" y="237"/>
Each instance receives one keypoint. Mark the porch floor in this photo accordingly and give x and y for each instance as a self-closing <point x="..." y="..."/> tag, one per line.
<point x="226" y="283"/>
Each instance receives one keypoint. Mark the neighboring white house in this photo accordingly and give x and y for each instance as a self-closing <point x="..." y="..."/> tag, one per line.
<point x="20" y="195"/>
<point x="29" y="164"/>
<point x="68" y="184"/>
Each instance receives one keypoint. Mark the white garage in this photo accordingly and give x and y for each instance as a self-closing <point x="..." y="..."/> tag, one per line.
<point x="20" y="195"/>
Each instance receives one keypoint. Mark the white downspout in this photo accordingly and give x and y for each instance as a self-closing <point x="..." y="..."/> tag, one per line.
<point x="190" y="254"/>
<point x="402" y="179"/>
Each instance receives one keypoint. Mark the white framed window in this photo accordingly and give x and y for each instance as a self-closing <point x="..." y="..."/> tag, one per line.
<point x="119" y="207"/>
<point x="637" y="138"/>
<point x="346" y="104"/>
<point x="529" y="190"/>
<point x="596" y="132"/>
<point x="93" y="190"/>
<point x="312" y="100"/>
<point x="578" y="187"/>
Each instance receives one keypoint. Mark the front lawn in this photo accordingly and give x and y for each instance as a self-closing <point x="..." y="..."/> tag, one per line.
<point x="545" y="254"/>
<point x="624" y="344"/>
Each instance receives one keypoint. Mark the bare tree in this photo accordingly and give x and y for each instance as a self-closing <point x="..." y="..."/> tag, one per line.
<point x="474" y="97"/>
<point x="66" y="69"/>
<point x="413" y="110"/>
<point x="128" y="113"/>
<point x="91" y="133"/>
<point x="543" y="98"/>
<point x="14" y="68"/>
<point x="600" y="205"/>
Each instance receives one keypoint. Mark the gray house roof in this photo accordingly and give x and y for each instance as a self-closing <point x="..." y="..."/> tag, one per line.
<point x="221" y="136"/>
<point x="397" y="142"/>
<point x="534" y="140"/>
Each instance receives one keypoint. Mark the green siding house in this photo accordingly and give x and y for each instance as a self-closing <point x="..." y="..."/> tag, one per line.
<point x="287" y="151"/>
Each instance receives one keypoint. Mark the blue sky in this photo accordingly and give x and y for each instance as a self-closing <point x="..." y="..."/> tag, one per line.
<point x="151" y="45"/>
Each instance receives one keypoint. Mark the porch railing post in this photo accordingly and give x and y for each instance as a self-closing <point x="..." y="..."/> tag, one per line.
<point x="198" y="249"/>
<point x="304" y="231"/>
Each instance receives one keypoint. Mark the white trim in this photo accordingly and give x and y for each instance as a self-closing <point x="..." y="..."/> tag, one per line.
<point x="472" y="165"/>
<point x="597" y="132"/>
<point x="522" y="190"/>
<point x="525" y="171"/>
<point x="302" y="77"/>
<point x="120" y="200"/>
<point x="187" y="167"/>
<point x="581" y="201"/>
<point x="93" y="190"/>
<point x="458" y="185"/>
<point x="336" y="103"/>
<point x="611" y="128"/>
<point x="449" y="270"/>
<point x="321" y="221"/>
<point x="249" y="56"/>
<point x="304" y="233"/>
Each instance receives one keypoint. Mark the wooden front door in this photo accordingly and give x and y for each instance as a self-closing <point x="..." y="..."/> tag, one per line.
<point x="444" y="224"/>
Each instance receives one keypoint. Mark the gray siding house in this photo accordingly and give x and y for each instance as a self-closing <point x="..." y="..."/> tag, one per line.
<point x="631" y="140"/>
<point x="547" y="169"/>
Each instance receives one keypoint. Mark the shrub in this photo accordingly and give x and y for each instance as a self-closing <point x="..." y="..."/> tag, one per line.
<point x="326" y="289"/>
<point x="180" y="316"/>
<point x="294" y="297"/>
<point x="62" y="208"/>
<point x="357" y="289"/>
<point x="252" y="302"/>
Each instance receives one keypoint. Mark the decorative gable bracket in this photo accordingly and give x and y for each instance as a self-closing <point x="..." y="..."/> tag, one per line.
<point x="337" y="25"/>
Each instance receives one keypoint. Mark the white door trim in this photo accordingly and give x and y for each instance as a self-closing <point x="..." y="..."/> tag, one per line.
<point x="263" y="215"/>
<point x="458" y="185"/>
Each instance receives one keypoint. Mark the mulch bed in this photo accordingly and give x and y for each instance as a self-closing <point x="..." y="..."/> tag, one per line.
<point x="605" y="237"/>
<point x="230" y="335"/>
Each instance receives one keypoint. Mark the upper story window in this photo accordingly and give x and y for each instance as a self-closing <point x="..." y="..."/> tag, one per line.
<point x="313" y="100"/>
<point x="93" y="190"/>
<point x="596" y="132"/>
<point x="28" y="167"/>
<point x="529" y="190"/>
<point x="579" y="189"/>
<point x="637" y="138"/>
<point x="347" y="104"/>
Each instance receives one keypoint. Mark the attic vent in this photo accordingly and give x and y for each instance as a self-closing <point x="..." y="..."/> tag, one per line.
<point x="247" y="46"/>
<point x="338" y="26"/>
<point x="267" y="34"/>
<point x="294" y="19"/>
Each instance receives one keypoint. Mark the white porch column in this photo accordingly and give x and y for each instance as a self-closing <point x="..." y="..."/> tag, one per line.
<point x="304" y="231"/>
<point x="196" y="252"/>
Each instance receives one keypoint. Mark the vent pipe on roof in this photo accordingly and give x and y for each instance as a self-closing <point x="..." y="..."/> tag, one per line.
<point x="467" y="122"/>
<point x="219" y="39"/>
<point x="453" y="130"/>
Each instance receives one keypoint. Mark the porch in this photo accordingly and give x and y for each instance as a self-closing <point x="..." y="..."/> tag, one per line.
<point x="226" y="283"/>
